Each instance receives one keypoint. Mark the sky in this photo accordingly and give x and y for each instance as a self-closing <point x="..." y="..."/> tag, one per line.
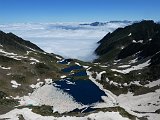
<point x="16" y="11"/>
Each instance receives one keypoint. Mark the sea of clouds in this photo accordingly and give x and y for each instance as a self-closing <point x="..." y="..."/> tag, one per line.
<point x="70" y="40"/>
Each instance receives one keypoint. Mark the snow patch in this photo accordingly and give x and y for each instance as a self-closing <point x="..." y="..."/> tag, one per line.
<point x="63" y="76"/>
<point x="153" y="84"/>
<point x="135" y="83"/>
<point x="15" y="84"/>
<point x="35" y="60"/>
<point x="129" y="34"/>
<point x="86" y="67"/>
<point x="48" y="81"/>
<point x="5" y="68"/>
<point x="59" y="58"/>
<point x="122" y="47"/>
<point x="77" y="63"/>
<point x="140" y="41"/>
<point x="124" y="66"/>
<point x="12" y="55"/>
<point x="138" y="67"/>
<point x="28" y="52"/>
<point x="133" y="61"/>
<point x="1" y="45"/>
<point x="39" y="84"/>
<point x="98" y="77"/>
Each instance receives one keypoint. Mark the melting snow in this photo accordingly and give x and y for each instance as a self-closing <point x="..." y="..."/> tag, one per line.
<point x="15" y="84"/>
<point x="5" y="68"/>
<point x="35" y="60"/>
<point x="154" y="83"/>
<point x="129" y="34"/>
<point x="100" y="74"/>
<point x="133" y="61"/>
<point x="138" y="67"/>
<point x="29" y="52"/>
<point x="12" y="55"/>
<point x="122" y="47"/>
<point x="115" y="75"/>
<point x="86" y="67"/>
<point x="9" y="73"/>
<point x="63" y="76"/>
<point x="39" y="84"/>
<point x="48" y="81"/>
<point x="141" y="103"/>
<point x="124" y="66"/>
<point x="140" y="41"/>
<point x="134" y="41"/>
<point x="77" y="63"/>
<point x="135" y="83"/>
<point x="50" y="95"/>
<point x="59" y="58"/>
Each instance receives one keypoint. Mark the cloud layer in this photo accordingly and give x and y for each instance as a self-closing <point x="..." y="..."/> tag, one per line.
<point x="70" y="40"/>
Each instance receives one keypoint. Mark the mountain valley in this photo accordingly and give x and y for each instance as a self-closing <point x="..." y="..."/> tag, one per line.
<point x="123" y="83"/>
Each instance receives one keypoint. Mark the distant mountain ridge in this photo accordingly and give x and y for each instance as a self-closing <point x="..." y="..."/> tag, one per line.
<point x="104" y="23"/>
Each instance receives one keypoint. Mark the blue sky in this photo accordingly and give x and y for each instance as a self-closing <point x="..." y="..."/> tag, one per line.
<point x="12" y="11"/>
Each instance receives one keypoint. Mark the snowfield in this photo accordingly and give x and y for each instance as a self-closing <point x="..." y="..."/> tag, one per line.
<point x="52" y="96"/>
<point x="142" y="103"/>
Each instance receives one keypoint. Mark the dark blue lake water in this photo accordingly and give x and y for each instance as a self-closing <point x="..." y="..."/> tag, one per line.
<point x="74" y="67"/>
<point x="83" y="91"/>
<point x="81" y="73"/>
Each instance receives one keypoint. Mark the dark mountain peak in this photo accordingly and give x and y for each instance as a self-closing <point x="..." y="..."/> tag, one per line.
<point x="12" y="42"/>
<point x="142" y="37"/>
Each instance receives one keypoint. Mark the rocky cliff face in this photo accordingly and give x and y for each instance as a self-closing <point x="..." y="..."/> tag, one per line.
<point x="140" y="39"/>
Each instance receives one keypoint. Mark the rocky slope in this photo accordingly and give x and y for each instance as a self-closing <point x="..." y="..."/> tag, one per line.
<point x="131" y="61"/>
<point x="120" y="85"/>
<point x="141" y="38"/>
<point x="133" y="50"/>
<point x="23" y="65"/>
